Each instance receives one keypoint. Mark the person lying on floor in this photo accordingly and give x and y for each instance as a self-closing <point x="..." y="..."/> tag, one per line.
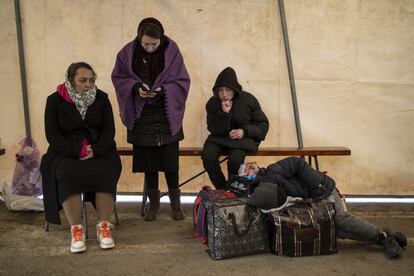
<point x="274" y="187"/>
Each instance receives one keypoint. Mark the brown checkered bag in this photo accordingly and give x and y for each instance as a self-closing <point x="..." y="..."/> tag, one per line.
<point x="306" y="228"/>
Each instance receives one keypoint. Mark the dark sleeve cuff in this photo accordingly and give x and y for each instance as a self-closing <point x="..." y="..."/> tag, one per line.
<point x="75" y="153"/>
<point x="137" y="86"/>
<point x="162" y="91"/>
<point x="96" y="152"/>
<point x="245" y="132"/>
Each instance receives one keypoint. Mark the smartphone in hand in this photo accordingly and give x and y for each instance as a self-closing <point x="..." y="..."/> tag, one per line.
<point x="148" y="90"/>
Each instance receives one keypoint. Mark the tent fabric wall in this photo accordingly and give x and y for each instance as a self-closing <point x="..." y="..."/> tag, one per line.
<point x="353" y="63"/>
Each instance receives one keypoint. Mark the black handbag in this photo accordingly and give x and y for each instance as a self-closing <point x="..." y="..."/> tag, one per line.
<point x="306" y="228"/>
<point x="235" y="229"/>
<point x="238" y="185"/>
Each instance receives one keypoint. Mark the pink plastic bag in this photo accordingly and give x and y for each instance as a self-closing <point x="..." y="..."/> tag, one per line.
<point x="27" y="180"/>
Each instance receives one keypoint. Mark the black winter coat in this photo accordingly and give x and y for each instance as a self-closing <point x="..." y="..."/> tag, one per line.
<point x="65" y="129"/>
<point x="151" y="129"/>
<point x="297" y="178"/>
<point x="245" y="114"/>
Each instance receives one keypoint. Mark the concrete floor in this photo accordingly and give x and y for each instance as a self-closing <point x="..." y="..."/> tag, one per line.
<point x="166" y="247"/>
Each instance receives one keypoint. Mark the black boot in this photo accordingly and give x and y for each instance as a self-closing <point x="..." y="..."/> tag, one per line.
<point x="391" y="246"/>
<point x="398" y="236"/>
<point x="151" y="210"/>
<point x="175" y="203"/>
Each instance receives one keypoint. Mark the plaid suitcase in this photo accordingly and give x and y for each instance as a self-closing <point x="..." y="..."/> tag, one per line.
<point x="235" y="229"/>
<point x="306" y="228"/>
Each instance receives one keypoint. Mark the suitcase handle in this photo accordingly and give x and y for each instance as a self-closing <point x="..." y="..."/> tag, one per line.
<point x="316" y="207"/>
<point x="292" y="223"/>
<point x="316" y="210"/>
<point x="236" y="229"/>
<point x="303" y="234"/>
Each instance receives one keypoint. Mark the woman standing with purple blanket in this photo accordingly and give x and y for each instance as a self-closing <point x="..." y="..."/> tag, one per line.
<point x="151" y="84"/>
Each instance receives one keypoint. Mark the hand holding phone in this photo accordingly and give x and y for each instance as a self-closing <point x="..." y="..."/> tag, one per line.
<point x="145" y="92"/>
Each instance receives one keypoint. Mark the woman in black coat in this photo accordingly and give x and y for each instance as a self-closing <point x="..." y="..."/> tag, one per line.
<point x="82" y="156"/>
<point x="237" y="125"/>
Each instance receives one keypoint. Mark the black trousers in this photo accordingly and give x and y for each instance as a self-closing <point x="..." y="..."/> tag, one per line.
<point x="211" y="154"/>
<point x="152" y="180"/>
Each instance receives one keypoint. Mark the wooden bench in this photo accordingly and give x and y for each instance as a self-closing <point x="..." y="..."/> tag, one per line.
<point x="310" y="152"/>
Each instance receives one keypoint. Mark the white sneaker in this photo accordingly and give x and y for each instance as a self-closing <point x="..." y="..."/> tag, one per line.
<point x="78" y="239"/>
<point x="104" y="236"/>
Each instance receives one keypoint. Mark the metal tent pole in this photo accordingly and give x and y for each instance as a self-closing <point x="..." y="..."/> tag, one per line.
<point x="22" y="67"/>
<point x="290" y="71"/>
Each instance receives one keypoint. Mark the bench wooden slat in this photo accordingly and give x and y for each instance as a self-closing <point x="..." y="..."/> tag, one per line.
<point x="265" y="151"/>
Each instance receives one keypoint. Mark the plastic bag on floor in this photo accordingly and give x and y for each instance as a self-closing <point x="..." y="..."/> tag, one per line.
<point x="20" y="203"/>
<point x="27" y="180"/>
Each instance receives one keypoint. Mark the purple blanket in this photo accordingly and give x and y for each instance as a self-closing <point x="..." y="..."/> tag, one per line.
<point x="174" y="78"/>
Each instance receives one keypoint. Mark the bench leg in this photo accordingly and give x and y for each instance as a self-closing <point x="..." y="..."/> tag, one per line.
<point x="144" y="198"/>
<point x="116" y="215"/>
<point x="84" y="216"/>
<point x="316" y="162"/>
<point x="194" y="177"/>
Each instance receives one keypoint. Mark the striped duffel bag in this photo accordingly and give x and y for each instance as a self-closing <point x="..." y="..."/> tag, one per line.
<point x="306" y="228"/>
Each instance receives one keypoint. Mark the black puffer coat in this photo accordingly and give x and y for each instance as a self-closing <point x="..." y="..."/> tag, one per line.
<point x="245" y="114"/>
<point x="297" y="178"/>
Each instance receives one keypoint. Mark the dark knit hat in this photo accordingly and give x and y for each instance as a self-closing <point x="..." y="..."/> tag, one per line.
<point x="151" y="21"/>
<point x="267" y="196"/>
<point x="227" y="78"/>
